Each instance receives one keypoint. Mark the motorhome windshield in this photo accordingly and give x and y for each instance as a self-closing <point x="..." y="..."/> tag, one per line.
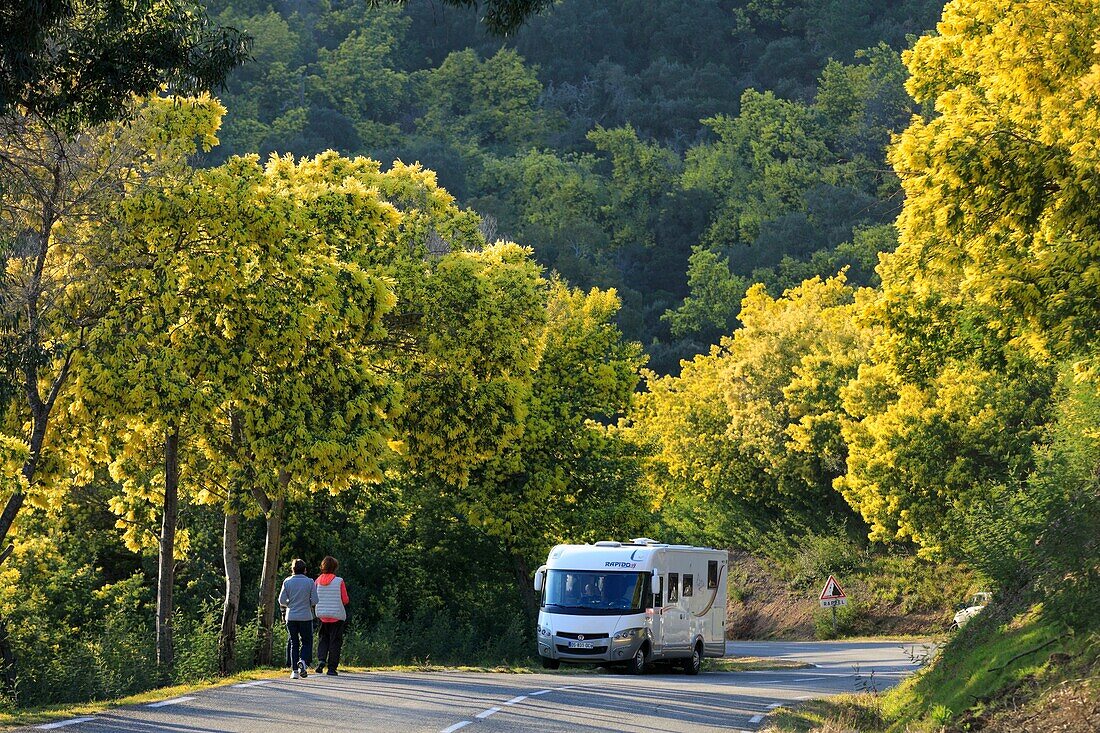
<point x="587" y="592"/>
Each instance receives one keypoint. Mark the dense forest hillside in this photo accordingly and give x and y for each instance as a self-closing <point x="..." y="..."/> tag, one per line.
<point x="677" y="151"/>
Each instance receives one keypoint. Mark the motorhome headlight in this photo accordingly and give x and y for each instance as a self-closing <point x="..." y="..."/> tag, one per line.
<point x="545" y="631"/>
<point x="628" y="634"/>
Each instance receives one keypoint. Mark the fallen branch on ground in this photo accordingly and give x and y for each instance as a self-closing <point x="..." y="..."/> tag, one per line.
<point x="1044" y="645"/>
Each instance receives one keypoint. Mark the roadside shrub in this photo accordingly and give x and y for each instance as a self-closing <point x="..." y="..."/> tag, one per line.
<point x="196" y="645"/>
<point x="428" y="638"/>
<point x="915" y="585"/>
<point x="850" y="619"/>
<point x="106" y="654"/>
<point x="823" y="555"/>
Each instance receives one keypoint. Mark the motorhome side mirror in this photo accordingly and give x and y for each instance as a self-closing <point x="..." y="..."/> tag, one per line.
<point x="540" y="577"/>
<point x="655" y="584"/>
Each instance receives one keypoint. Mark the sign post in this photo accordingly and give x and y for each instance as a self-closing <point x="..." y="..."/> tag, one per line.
<point x="832" y="595"/>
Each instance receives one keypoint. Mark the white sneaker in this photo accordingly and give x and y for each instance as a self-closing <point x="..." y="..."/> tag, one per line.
<point x="294" y="675"/>
<point x="302" y="672"/>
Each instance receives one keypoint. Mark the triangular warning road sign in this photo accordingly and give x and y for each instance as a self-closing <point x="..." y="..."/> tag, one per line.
<point x="832" y="590"/>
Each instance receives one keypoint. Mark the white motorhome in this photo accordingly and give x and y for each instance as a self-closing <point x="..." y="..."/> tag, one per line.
<point x="632" y="604"/>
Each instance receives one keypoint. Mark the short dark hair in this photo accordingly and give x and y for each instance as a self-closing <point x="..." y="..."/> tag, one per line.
<point x="299" y="566"/>
<point x="329" y="564"/>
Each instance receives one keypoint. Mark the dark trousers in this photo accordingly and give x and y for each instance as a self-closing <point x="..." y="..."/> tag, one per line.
<point x="329" y="640"/>
<point x="299" y="642"/>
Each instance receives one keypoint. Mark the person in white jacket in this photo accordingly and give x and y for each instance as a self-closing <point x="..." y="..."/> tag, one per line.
<point x="332" y="595"/>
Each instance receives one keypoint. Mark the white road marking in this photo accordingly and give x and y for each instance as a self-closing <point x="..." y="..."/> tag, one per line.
<point x="496" y="709"/>
<point x="796" y="671"/>
<point x="456" y="726"/>
<point x="63" y="723"/>
<point x="173" y="701"/>
<point x="257" y="683"/>
<point x="806" y="679"/>
<point x="756" y="718"/>
<point x="824" y="675"/>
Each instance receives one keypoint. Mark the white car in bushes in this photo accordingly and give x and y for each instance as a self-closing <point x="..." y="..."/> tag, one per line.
<point x="969" y="609"/>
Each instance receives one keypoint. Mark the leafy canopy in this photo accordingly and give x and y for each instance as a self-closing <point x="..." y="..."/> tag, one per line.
<point x="79" y="62"/>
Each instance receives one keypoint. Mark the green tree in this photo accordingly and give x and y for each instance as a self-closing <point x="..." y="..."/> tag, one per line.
<point x="490" y="104"/>
<point x="989" y="287"/>
<point x="711" y="309"/>
<point x="63" y="192"/>
<point x="555" y="204"/>
<point x="80" y="62"/>
<point x="643" y="175"/>
<point x="360" y="78"/>
<point x="756" y="425"/>
<point x="567" y="456"/>
<point x="500" y="17"/>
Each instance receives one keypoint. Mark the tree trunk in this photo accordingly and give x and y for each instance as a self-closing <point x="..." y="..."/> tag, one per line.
<point x="7" y="660"/>
<point x="526" y="588"/>
<point x="269" y="574"/>
<point x="166" y="565"/>
<point x="30" y="466"/>
<point x="227" y="638"/>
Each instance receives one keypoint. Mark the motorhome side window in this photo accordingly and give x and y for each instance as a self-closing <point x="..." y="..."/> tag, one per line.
<point x="712" y="575"/>
<point x="689" y="585"/>
<point x="673" y="587"/>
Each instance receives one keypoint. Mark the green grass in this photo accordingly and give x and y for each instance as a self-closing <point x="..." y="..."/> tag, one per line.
<point x="990" y="655"/>
<point x="751" y="664"/>
<point x="993" y="656"/>
<point x="841" y="713"/>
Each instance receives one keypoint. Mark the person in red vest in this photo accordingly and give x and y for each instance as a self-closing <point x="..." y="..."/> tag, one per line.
<point x="332" y="601"/>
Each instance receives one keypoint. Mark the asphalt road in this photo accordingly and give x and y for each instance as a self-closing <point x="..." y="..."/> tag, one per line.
<point x="391" y="702"/>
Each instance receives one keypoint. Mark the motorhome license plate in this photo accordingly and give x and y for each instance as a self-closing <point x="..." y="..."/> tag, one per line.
<point x="582" y="645"/>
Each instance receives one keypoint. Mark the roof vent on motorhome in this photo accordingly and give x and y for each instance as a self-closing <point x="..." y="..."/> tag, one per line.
<point x="609" y="543"/>
<point x="644" y="541"/>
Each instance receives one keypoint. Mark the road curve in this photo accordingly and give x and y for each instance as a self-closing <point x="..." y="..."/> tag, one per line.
<point x="395" y="702"/>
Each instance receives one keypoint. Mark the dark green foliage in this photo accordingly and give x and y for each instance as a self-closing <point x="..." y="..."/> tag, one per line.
<point x="500" y="17"/>
<point x="432" y="638"/>
<point x="1042" y="535"/>
<point x="79" y="61"/>
<point x="407" y="555"/>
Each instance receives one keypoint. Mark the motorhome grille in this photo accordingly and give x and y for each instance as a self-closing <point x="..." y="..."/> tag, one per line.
<point x="595" y="650"/>
<point x="567" y="635"/>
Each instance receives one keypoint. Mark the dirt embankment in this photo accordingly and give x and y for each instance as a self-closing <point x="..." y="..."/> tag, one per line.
<point x="765" y="604"/>
<point x="761" y="606"/>
<point x="1070" y="706"/>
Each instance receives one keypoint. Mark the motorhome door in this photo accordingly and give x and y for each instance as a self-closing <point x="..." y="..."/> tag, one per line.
<point x="656" y="615"/>
<point x="674" y="622"/>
